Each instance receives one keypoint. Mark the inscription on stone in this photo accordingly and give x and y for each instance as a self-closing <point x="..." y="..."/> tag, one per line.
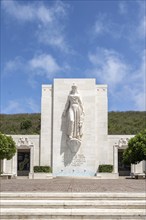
<point x="78" y="160"/>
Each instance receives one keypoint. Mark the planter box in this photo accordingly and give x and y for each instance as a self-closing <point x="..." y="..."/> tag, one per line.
<point x="107" y="175"/>
<point x="40" y="176"/>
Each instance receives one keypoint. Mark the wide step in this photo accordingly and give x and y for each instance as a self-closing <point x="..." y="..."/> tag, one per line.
<point x="105" y="206"/>
<point x="71" y="213"/>
<point x="67" y="204"/>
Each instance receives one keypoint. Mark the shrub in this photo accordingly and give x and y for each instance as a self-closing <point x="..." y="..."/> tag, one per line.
<point x="7" y="147"/>
<point x="105" y="168"/>
<point x="25" y="124"/>
<point x="136" y="151"/>
<point x="42" y="169"/>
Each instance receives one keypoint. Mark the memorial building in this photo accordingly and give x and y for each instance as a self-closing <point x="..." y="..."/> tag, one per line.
<point x="74" y="138"/>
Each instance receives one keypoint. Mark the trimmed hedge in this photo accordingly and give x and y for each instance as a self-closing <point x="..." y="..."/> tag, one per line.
<point x="105" y="168"/>
<point x="42" y="169"/>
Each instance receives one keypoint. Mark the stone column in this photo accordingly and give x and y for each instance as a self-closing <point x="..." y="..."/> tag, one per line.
<point x="31" y="160"/>
<point x="12" y="164"/>
<point x="115" y="151"/>
<point x="15" y="164"/>
<point x="144" y="165"/>
<point x="4" y="165"/>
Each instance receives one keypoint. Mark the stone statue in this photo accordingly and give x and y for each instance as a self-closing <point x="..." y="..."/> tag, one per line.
<point x="74" y="114"/>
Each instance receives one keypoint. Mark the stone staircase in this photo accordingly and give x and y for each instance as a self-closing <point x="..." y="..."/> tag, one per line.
<point x="105" y="206"/>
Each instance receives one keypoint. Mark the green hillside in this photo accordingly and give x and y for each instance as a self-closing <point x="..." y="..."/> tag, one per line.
<point x="118" y="123"/>
<point x="20" y="123"/>
<point x="130" y="122"/>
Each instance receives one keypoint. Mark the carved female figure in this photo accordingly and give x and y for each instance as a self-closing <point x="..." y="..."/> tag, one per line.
<point x="75" y="114"/>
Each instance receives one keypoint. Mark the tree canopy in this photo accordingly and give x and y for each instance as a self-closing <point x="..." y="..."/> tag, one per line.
<point x="26" y="124"/>
<point x="136" y="151"/>
<point x="7" y="147"/>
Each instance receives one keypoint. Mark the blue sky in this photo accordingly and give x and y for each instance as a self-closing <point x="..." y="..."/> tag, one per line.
<point x="43" y="40"/>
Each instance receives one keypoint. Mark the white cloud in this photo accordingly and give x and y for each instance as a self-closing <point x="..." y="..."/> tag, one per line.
<point x="13" y="107"/>
<point x="44" y="15"/>
<point x="52" y="36"/>
<point x="101" y="26"/>
<point x="138" y="91"/>
<point x="48" y="20"/>
<point x="21" y="106"/>
<point x="132" y="30"/>
<point x="122" y="7"/>
<point x="126" y="82"/>
<point x="13" y="65"/>
<point x="40" y="65"/>
<point x="141" y="30"/>
<point x="104" y="25"/>
<point x="28" y="12"/>
<point x="139" y="72"/>
<point x="32" y="105"/>
<point x="44" y="64"/>
<point x="20" y="12"/>
<point x="136" y="33"/>
<point x="108" y="66"/>
<point x="140" y="101"/>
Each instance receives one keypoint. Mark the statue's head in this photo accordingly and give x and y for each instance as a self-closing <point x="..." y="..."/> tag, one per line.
<point x="74" y="87"/>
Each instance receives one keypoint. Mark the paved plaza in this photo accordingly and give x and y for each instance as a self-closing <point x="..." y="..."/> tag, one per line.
<point x="73" y="185"/>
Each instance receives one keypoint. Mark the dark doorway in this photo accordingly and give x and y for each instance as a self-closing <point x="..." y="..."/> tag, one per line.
<point x="23" y="162"/>
<point x="124" y="170"/>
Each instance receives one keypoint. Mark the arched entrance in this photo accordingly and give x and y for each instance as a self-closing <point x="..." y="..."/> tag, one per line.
<point x="123" y="169"/>
<point x="25" y="154"/>
<point x="119" y="166"/>
<point x="23" y="162"/>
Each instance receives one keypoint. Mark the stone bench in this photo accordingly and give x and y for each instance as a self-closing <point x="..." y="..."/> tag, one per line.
<point x="7" y="176"/>
<point x="138" y="175"/>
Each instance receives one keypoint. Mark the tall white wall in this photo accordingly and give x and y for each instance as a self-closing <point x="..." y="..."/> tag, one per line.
<point x="83" y="163"/>
<point x="102" y="150"/>
<point x="46" y="126"/>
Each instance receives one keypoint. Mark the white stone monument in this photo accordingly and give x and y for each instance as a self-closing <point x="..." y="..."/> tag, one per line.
<point x="74" y="126"/>
<point x="74" y="140"/>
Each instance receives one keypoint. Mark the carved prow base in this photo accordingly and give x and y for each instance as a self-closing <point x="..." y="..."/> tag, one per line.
<point x="74" y="144"/>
